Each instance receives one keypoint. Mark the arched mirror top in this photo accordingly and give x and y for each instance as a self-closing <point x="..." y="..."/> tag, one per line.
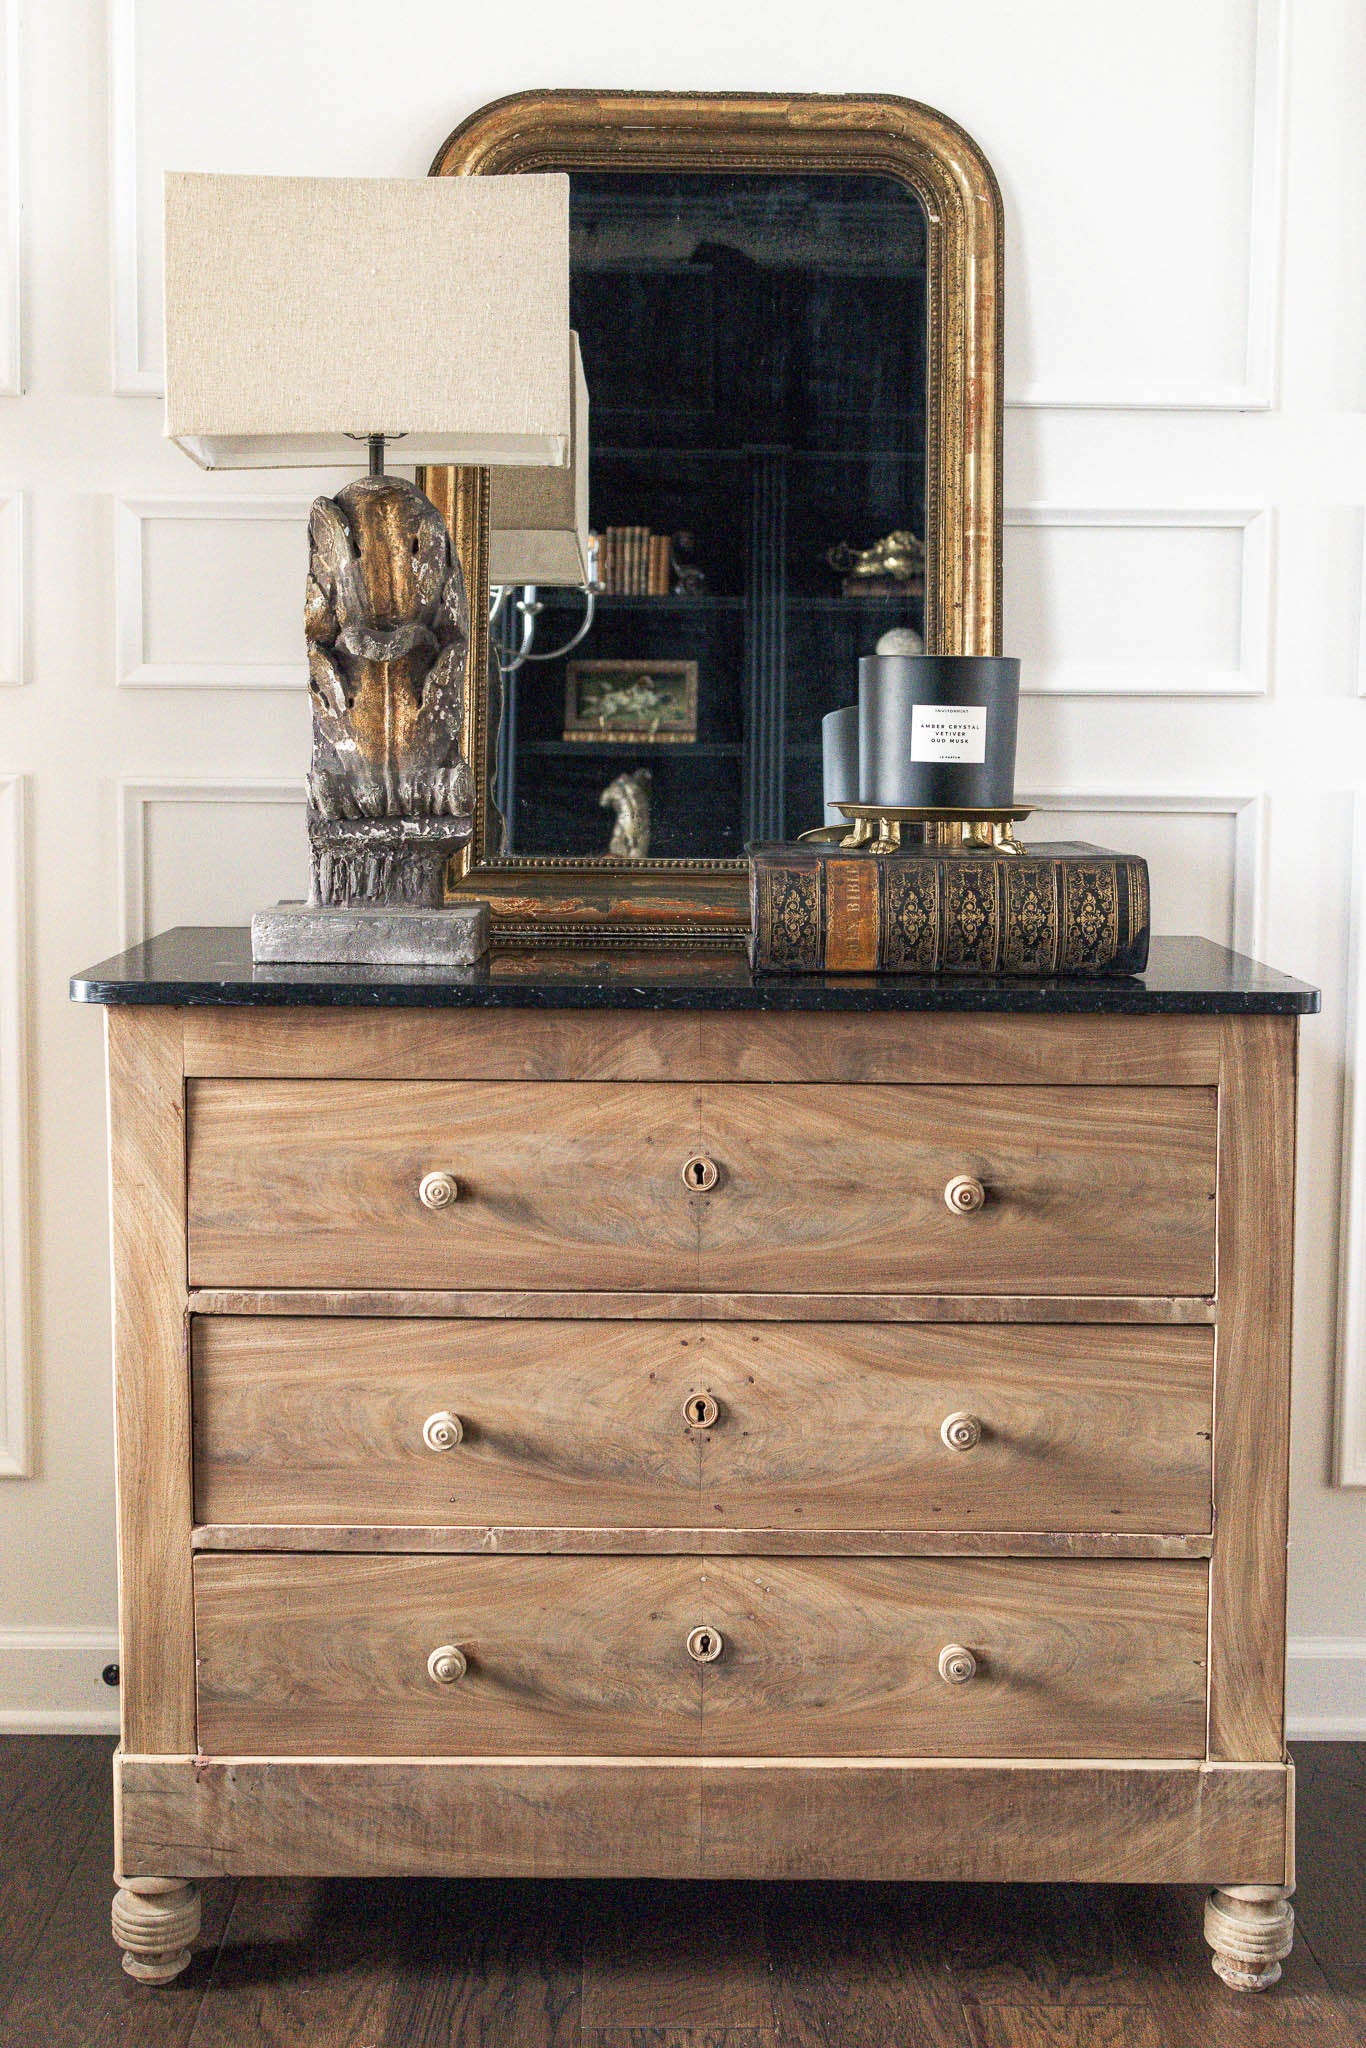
<point x="739" y="679"/>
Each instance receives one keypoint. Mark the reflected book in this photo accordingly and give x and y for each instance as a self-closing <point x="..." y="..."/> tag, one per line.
<point x="1041" y="910"/>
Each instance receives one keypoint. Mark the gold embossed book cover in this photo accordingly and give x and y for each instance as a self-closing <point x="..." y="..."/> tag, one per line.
<point x="1044" y="910"/>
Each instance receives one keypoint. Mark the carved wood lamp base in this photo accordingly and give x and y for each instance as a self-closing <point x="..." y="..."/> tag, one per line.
<point x="1251" y="1929"/>
<point x="154" y="1921"/>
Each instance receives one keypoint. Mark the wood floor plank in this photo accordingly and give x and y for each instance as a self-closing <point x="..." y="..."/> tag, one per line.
<point x="860" y="1966"/>
<point x="55" y="1792"/>
<point x="1333" y="1759"/>
<point x="1163" y="1951"/>
<point x="1064" y="2026"/>
<point x="305" y="1961"/>
<point x="489" y="1963"/>
<point x="75" y="1992"/>
<point x="1014" y="1945"/>
<point x="1330" y="1904"/>
<point x="680" y="2037"/>
<point x="684" y="1955"/>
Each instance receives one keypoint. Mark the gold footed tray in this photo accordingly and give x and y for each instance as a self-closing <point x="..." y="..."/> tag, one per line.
<point x="878" y="828"/>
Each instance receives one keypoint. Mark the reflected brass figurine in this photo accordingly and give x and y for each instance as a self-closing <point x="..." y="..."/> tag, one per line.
<point x="629" y="796"/>
<point x="390" y="796"/>
<point x="891" y="567"/>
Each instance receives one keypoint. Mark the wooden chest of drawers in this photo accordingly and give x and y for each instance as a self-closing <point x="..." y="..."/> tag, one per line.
<point x="643" y="1443"/>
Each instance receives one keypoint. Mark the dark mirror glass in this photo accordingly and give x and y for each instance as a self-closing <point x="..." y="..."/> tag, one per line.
<point x="755" y="353"/>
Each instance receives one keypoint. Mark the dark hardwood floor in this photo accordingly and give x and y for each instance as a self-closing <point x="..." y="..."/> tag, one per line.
<point x="344" y="1964"/>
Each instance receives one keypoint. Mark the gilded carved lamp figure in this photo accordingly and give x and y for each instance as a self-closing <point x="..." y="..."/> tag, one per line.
<point x="291" y="336"/>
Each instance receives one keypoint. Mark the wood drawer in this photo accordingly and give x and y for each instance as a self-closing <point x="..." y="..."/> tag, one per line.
<point x="328" y="1656"/>
<point x="585" y="1425"/>
<point x="1088" y="1190"/>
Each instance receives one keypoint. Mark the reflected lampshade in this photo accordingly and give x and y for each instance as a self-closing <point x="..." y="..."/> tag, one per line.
<point x="538" y="517"/>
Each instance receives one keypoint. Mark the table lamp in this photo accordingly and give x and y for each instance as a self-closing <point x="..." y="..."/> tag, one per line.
<point x="305" y="316"/>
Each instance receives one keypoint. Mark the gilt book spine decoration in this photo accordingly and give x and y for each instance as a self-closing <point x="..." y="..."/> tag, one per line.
<point x="1045" y="910"/>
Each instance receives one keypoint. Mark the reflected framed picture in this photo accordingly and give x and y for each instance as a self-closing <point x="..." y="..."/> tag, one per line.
<point x="631" y="701"/>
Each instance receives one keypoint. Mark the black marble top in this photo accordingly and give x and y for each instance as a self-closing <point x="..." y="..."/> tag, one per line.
<point x="210" y="964"/>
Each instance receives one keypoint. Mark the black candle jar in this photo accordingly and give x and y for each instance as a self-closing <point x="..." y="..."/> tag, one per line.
<point x="938" y="730"/>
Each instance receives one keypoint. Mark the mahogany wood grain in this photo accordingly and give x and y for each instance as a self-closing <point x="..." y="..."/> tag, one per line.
<point x="572" y="1185"/>
<point x="1082" y="1428"/>
<point x="1252" y="1389"/>
<point x="576" y="1424"/>
<point x="573" y="1656"/>
<point x="585" y="1425"/>
<point x="578" y="1045"/>
<point x="151" y="1378"/>
<point x="1172" y="1823"/>
<point x="847" y="1184"/>
<point x="575" y="1306"/>
<point x="299" y="1183"/>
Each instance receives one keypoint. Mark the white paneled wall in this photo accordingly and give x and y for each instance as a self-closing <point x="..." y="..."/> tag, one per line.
<point x="1185" y="190"/>
<point x="1138" y="601"/>
<point x="13" y="593"/>
<point x="15" y="1346"/>
<point x="207" y="592"/>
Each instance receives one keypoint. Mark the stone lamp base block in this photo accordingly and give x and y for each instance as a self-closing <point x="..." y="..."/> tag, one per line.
<point x="365" y="935"/>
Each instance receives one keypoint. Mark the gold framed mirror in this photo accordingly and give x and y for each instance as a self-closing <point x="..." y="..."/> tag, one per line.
<point x="751" y="253"/>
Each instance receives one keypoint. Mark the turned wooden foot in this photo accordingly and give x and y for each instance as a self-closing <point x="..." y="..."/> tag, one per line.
<point x="154" y="1920"/>
<point x="1250" y="1927"/>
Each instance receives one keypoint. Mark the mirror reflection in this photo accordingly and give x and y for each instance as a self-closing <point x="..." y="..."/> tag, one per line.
<point x="755" y="350"/>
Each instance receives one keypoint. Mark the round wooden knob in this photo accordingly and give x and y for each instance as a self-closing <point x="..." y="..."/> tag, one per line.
<point x="961" y="1431"/>
<point x="705" y="1645"/>
<point x="443" y="1431"/>
<point x="700" y="1410"/>
<point x="956" y="1665"/>
<point x="699" y="1174"/>
<point x="438" y="1190"/>
<point x="446" y="1665"/>
<point x="964" y="1193"/>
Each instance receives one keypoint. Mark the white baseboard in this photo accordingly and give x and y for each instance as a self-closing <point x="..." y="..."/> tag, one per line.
<point x="1326" y="1689"/>
<point x="50" y="1682"/>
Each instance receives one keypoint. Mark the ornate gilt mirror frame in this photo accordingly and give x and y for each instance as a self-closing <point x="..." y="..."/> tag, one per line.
<point x="705" y="901"/>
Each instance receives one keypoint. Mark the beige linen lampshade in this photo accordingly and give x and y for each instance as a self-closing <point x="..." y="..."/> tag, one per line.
<point x="538" y="518"/>
<point x="303" y="311"/>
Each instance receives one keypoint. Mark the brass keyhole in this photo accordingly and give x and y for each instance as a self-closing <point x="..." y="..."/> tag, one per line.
<point x="700" y="1411"/>
<point x="705" y="1645"/>
<point x="699" y="1173"/>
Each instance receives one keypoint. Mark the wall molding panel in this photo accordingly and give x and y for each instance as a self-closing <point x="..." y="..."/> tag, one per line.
<point x="1326" y="1689"/>
<point x="136" y="799"/>
<point x="14" y="1153"/>
<point x="1248" y="677"/>
<point x="131" y="378"/>
<point x="51" y="1684"/>
<point x="11" y="203"/>
<point x="132" y="668"/>
<point x="1256" y="389"/>
<point x="1351" y="1377"/>
<point x="1252" y="391"/>
<point x="1249" y="815"/>
<point x="13" y="592"/>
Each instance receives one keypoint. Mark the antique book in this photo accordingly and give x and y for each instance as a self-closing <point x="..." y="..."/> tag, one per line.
<point x="1064" y="909"/>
